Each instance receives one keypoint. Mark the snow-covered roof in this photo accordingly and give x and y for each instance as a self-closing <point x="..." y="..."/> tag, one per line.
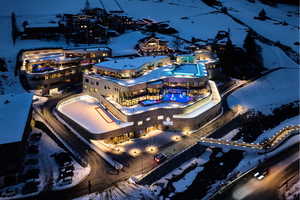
<point x="86" y="111"/>
<point x="187" y="71"/>
<point x="42" y="25"/>
<point x="89" y="49"/>
<point x="14" y="110"/>
<point x="127" y="63"/>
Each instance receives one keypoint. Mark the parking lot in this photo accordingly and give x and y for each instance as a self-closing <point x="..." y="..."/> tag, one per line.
<point x="46" y="166"/>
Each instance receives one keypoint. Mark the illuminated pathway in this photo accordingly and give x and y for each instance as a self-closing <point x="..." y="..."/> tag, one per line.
<point x="269" y="145"/>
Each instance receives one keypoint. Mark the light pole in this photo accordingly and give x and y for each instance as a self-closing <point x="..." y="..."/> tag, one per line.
<point x="142" y="166"/>
<point x="286" y="182"/>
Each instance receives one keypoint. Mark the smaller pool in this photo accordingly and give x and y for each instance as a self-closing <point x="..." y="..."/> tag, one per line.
<point x="181" y="98"/>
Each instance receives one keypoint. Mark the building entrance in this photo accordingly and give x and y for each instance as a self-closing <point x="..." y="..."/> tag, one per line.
<point x="120" y="139"/>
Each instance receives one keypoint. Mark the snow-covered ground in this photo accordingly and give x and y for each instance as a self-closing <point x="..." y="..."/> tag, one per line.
<point x="202" y="22"/>
<point x="273" y="90"/>
<point x="129" y="190"/>
<point x="49" y="169"/>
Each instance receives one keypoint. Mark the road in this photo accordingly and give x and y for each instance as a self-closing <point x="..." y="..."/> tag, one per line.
<point x="100" y="169"/>
<point x="102" y="174"/>
<point x="282" y="167"/>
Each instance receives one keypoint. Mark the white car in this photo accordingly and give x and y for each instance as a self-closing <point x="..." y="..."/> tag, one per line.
<point x="65" y="181"/>
<point x="10" y="192"/>
<point x="68" y="164"/>
<point x="33" y="181"/>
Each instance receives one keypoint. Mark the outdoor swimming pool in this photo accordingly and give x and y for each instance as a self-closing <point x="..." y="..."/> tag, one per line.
<point x="181" y="98"/>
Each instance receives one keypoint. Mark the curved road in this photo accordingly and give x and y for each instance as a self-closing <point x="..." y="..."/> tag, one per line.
<point x="282" y="167"/>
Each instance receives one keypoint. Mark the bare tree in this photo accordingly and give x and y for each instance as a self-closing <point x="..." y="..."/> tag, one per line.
<point x="177" y="42"/>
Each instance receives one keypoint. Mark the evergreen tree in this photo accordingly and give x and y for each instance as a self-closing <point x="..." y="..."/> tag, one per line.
<point x="262" y="14"/>
<point x="87" y="8"/>
<point x="193" y="41"/>
<point x="229" y="54"/>
<point x="224" y="10"/>
<point x="14" y="27"/>
<point x="25" y="23"/>
<point x="249" y="44"/>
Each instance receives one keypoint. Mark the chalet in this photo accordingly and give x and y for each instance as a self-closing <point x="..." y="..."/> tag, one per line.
<point x="153" y="46"/>
<point x="81" y="21"/>
<point x="98" y="33"/>
<point x="117" y="22"/>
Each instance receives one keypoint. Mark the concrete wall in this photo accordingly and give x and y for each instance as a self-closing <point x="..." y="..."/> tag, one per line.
<point x="172" y="163"/>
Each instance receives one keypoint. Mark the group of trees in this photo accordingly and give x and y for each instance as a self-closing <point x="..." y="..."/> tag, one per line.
<point x="242" y="63"/>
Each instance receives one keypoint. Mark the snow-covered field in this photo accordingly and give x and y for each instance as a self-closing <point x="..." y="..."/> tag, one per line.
<point x="202" y="22"/>
<point x="273" y="90"/>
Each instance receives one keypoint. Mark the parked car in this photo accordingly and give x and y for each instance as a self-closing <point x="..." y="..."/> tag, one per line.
<point x="33" y="149"/>
<point x="66" y="174"/>
<point x="33" y="181"/>
<point x="28" y="188"/>
<point x="68" y="168"/>
<point x="68" y="164"/>
<point x="32" y="173"/>
<point x="160" y="157"/>
<point x="62" y="157"/>
<point x="65" y="181"/>
<point x="10" y="192"/>
<point x="32" y="161"/>
<point x="35" y="136"/>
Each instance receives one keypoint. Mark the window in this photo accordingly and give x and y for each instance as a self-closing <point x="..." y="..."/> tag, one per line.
<point x="91" y="89"/>
<point x="92" y="82"/>
<point x="97" y="83"/>
<point x="104" y="87"/>
<point x="86" y="80"/>
<point x="85" y="87"/>
<point x="140" y="122"/>
<point x="95" y="90"/>
<point x="148" y="119"/>
<point x="160" y="117"/>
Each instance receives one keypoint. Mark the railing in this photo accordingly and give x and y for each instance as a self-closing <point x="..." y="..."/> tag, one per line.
<point x="269" y="145"/>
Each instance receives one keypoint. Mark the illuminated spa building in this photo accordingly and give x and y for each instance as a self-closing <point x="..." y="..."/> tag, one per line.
<point x="149" y="93"/>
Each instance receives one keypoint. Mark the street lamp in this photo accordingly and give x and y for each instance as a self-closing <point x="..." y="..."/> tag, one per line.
<point x="142" y="166"/>
<point x="140" y="144"/>
<point x="286" y="182"/>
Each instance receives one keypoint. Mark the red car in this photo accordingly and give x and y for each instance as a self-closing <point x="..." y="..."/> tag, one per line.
<point x="160" y="157"/>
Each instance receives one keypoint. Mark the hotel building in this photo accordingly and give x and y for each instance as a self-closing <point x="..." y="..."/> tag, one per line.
<point x="142" y="94"/>
<point x="48" y="71"/>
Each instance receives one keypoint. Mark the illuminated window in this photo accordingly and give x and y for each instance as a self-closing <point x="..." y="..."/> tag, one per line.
<point x="85" y="87"/>
<point x="92" y="82"/>
<point x="140" y="122"/>
<point x="95" y="90"/>
<point x="148" y="119"/>
<point x="91" y="89"/>
<point x="104" y="54"/>
<point x="160" y="117"/>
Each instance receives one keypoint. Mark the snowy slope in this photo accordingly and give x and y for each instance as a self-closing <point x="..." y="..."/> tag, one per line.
<point x="277" y="88"/>
<point x="246" y="12"/>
